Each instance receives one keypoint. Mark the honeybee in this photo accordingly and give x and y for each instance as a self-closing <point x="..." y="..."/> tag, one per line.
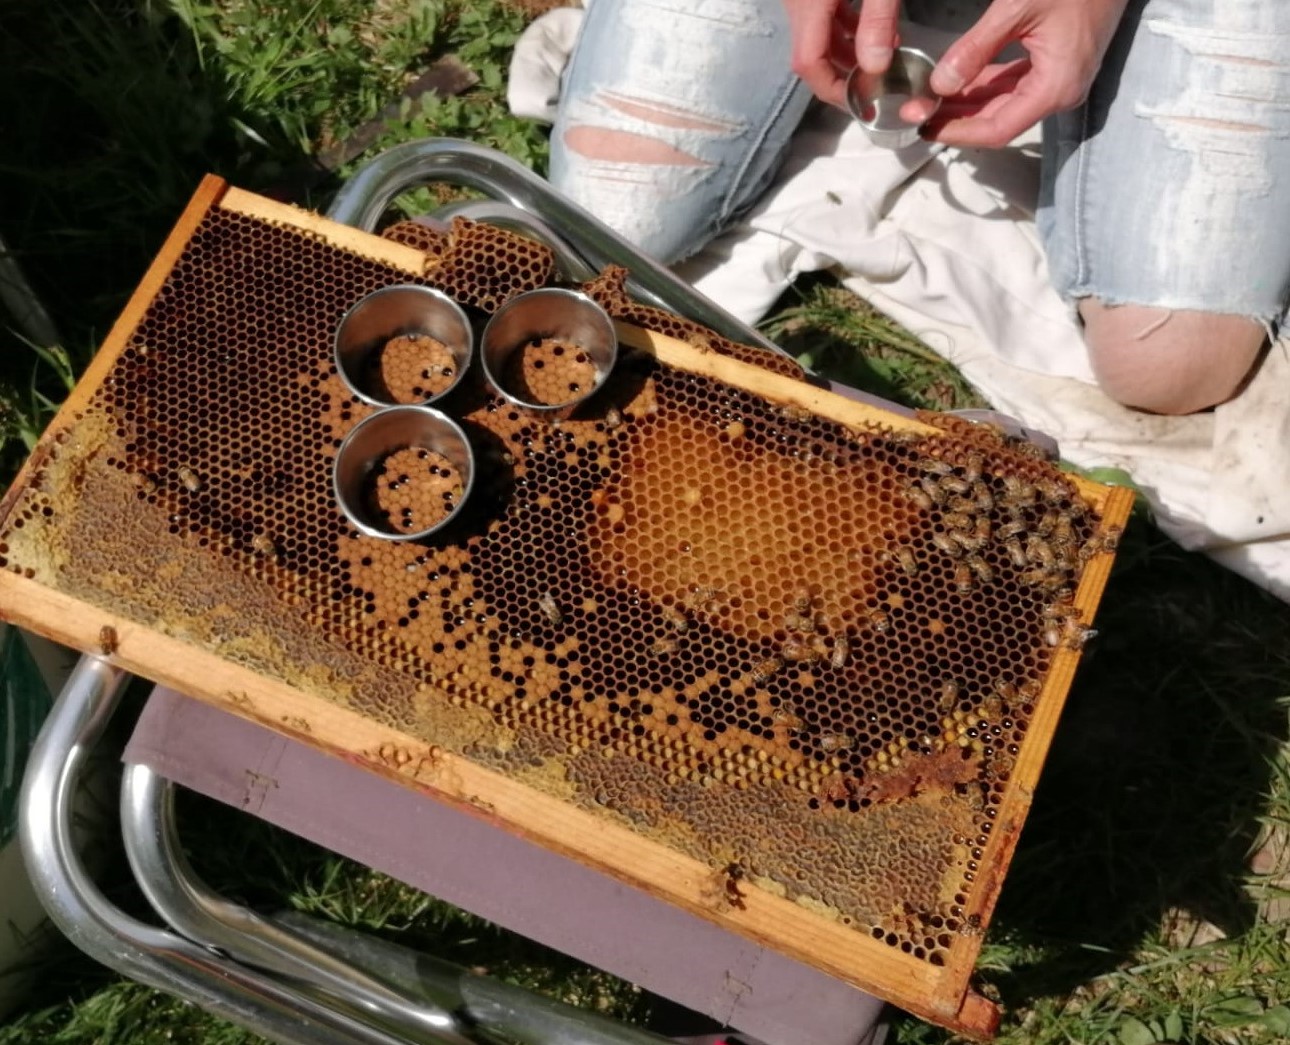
<point x="143" y="482"/>
<point x="1063" y="555"/>
<point x="920" y="497"/>
<point x="944" y="542"/>
<point x="1075" y="635"/>
<point x="1065" y="529"/>
<point x="1047" y="523"/>
<point x="766" y="670"/>
<point x="933" y="489"/>
<point x="664" y="647"/>
<point x="613" y="418"/>
<point x="108" y="642"/>
<point x="1028" y="449"/>
<point x="1058" y="609"/>
<point x="949" y="695"/>
<point x="879" y="621"/>
<point x="905" y="556"/>
<point x="1052" y="634"/>
<point x="1005" y="689"/>
<point x="550" y="609"/>
<point x="841" y="652"/>
<point x="1054" y="491"/>
<point x="1012" y="528"/>
<point x="1030" y="689"/>
<point x="972" y="470"/>
<point x="983" y="530"/>
<point x="963" y="580"/>
<point x="795" y="413"/>
<point x="935" y="466"/>
<point x="189" y="478"/>
<point x="981" y="568"/>
<point x="1018" y="492"/>
<point x="799" y="652"/>
<point x="702" y="598"/>
<point x="1016" y="553"/>
<point x="965" y="505"/>
<point x="1110" y="538"/>
<point x="799" y="622"/>
<point x="983" y="497"/>
<point x="1035" y="577"/>
<point x="967" y="541"/>
<point x="830" y="742"/>
<point x="734" y="873"/>
<point x="1039" y="553"/>
<point x="802" y="600"/>
<point x="955" y="485"/>
<point x="784" y="717"/>
<point x="957" y="521"/>
<point x="676" y="620"/>
<point x="992" y="706"/>
<point x="262" y="544"/>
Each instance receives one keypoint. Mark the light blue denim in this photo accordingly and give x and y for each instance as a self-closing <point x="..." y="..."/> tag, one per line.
<point x="1170" y="187"/>
<point x="708" y="80"/>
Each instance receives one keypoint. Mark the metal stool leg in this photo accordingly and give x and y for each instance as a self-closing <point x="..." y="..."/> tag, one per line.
<point x="152" y="956"/>
<point x="424" y="998"/>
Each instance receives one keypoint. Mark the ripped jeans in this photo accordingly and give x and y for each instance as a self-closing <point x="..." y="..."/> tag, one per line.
<point x="1169" y="187"/>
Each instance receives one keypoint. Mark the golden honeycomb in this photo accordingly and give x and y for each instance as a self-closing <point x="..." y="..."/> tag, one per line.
<point x="803" y="653"/>
<point x="412" y="368"/>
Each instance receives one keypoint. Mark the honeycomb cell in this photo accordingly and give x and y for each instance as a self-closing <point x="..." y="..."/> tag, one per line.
<point x="755" y="635"/>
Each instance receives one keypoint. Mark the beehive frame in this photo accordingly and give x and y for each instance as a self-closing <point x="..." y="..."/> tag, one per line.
<point x="471" y="742"/>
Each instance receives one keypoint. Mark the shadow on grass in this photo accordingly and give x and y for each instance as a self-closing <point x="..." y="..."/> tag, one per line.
<point x="112" y="118"/>
<point x="1158" y="773"/>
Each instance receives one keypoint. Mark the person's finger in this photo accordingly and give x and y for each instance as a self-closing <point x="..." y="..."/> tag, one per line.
<point x="972" y="52"/>
<point x="812" y="37"/>
<point x="876" y="34"/>
<point x="918" y="110"/>
<point x="993" y="82"/>
<point x="998" y="122"/>
<point x="842" y="46"/>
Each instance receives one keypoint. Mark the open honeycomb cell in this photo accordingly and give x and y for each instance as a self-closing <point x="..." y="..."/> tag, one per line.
<point x="808" y="651"/>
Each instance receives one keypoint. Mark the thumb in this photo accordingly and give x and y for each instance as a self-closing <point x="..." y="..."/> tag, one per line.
<point x="876" y="34"/>
<point x="968" y="56"/>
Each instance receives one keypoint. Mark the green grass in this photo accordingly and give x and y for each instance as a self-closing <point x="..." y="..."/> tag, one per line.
<point x="1172" y="753"/>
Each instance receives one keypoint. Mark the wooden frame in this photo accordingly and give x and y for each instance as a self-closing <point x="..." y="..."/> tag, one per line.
<point x="940" y="994"/>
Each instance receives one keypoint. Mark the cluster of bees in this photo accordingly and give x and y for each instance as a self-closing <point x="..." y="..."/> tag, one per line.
<point x="805" y="647"/>
<point x="1039" y="535"/>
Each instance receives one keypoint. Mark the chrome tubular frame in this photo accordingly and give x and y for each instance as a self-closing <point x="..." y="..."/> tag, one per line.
<point x="365" y="197"/>
<point x="152" y="956"/>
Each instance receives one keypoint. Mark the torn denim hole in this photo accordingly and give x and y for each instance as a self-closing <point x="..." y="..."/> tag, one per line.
<point x="665" y="114"/>
<point x="1228" y="117"/>
<point x="623" y="137"/>
<point x="744" y="17"/>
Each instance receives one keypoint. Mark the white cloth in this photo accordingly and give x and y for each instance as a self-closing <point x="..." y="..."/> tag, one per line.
<point x="538" y="61"/>
<point x="944" y="242"/>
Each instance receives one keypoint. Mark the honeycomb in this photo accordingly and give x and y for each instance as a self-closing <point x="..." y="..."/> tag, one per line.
<point x="805" y="654"/>
<point x="548" y="372"/>
<point x="412" y="368"/>
<point x="413" y="489"/>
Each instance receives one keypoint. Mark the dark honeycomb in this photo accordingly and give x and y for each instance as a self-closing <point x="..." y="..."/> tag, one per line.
<point x="609" y="290"/>
<point x="772" y="642"/>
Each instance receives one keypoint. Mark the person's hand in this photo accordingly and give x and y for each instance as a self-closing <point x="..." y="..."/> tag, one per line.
<point x="989" y="105"/>
<point x="830" y="39"/>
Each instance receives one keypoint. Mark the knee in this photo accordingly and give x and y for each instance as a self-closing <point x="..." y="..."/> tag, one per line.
<point x="1169" y="361"/>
